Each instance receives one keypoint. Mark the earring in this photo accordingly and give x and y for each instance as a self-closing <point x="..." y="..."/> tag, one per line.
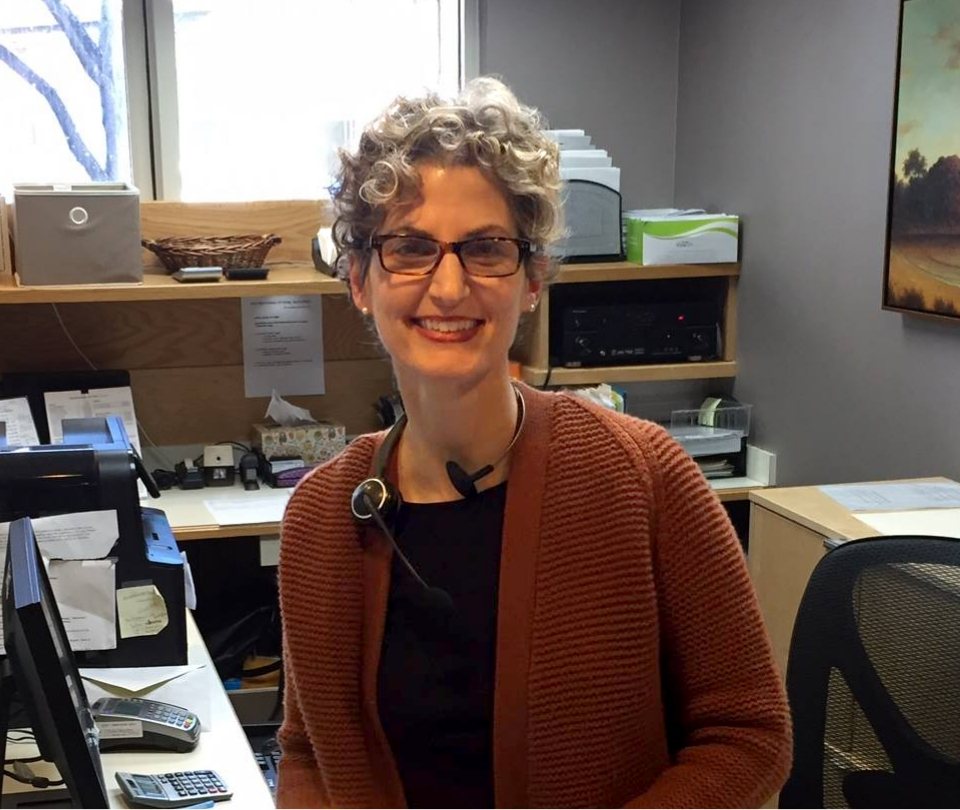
<point x="364" y="311"/>
<point x="533" y="306"/>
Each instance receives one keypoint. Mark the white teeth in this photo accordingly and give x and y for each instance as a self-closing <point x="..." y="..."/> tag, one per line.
<point x="437" y="325"/>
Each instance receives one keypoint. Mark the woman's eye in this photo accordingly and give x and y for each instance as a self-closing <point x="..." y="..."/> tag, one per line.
<point x="488" y="249"/>
<point x="407" y="247"/>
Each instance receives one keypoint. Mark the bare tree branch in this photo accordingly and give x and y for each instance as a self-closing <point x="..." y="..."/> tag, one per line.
<point x="85" y="48"/>
<point x="108" y="99"/>
<point x="76" y="143"/>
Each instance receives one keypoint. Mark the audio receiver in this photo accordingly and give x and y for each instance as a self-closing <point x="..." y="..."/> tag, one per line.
<point x="634" y="325"/>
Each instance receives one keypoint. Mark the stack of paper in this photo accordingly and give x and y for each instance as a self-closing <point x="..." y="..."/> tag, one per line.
<point x="715" y="467"/>
<point x="918" y="507"/>
<point x="580" y="160"/>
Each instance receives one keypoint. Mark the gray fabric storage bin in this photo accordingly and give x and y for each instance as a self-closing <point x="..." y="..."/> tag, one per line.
<point x="80" y="233"/>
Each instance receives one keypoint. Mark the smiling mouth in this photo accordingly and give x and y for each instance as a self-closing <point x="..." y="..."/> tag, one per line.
<point x="447" y="325"/>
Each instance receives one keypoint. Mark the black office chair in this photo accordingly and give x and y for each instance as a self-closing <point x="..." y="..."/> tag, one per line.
<point x="873" y="677"/>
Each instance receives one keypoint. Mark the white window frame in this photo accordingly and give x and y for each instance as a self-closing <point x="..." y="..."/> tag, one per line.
<point x="151" y="71"/>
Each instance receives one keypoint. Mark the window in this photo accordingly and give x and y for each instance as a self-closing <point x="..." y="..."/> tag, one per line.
<point x="63" y="93"/>
<point x="228" y="99"/>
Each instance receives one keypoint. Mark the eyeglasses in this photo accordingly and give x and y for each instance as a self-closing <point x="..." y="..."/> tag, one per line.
<point x="485" y="256"/>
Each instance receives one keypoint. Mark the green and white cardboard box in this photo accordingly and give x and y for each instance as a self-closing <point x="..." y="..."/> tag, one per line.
<point x="682" y="239"/>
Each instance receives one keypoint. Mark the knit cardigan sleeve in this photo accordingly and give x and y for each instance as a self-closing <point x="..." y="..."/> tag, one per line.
<point x="300" y="783"/>
<point x="725" y="699"/>
<point x="319" y="582"/>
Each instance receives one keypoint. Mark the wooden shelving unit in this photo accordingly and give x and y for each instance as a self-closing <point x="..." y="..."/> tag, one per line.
<point x="292" y="278"/>
<point x="182" y="344"/>
<point x="628" y="374"/>
<point x="536" y="369"/>
<point x="628" y="271"/>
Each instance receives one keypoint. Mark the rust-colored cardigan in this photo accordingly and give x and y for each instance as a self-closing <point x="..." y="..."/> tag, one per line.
<point x="632" y="665"/>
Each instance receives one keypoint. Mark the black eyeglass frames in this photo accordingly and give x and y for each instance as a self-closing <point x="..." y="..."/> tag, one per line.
<point x="484" y="256"/>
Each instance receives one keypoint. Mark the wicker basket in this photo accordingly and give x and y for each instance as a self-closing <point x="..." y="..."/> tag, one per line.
<point x="241" y="250"/>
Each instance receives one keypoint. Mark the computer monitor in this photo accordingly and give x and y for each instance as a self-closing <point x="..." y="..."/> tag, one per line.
<point x="45" y="673"/>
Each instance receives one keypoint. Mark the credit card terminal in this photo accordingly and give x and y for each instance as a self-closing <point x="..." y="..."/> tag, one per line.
<point x="127" y="724"/>
<point x="179" y="789"/>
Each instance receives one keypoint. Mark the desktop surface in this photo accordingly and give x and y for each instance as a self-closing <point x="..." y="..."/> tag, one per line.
<point x="231" y="511"/>
<point x="223" y="747"/>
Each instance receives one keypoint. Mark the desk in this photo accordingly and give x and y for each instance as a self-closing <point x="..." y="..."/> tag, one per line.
<point x="788" y="528"/>
<point x="224" y="748"/>
<point x="190" y="518"/>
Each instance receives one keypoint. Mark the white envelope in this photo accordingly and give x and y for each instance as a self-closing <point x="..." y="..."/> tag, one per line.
<point x="182" y="686"/>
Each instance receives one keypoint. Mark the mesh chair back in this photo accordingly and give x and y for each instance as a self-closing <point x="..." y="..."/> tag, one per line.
<point x="873" y="677"/>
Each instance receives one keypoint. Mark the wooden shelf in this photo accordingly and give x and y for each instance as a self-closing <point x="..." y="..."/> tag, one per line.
<point x="627" y="374"/>
<point x="214" y="531"/>
<point x="534" y="352"/>
<point x="293" y="278"/>
<point x="628" y="271"/>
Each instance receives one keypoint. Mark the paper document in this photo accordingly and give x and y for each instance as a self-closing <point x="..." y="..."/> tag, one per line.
<point x="85" y="591"/>
<point x="283" y="345"/>
<point x="135" y="679"/>
<point x="189" y="589"/>
<point x="895" y="497"/>
<point x="187" y="686"/>
<point x="934" y="522"/>
<point x="56" y="538"/>
<point x="141" y="611"/>
<point x="72" y="536"/>
<point x="75" y="535"/>
<point x="247" y="509"/>
<point x="95" y="402"/>
<point x="20" y="428"/>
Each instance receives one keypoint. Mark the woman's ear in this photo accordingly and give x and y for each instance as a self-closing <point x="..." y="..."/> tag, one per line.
<point x="358" y="290"/>
<point x="534" y="286"/>
<point x="538" y="268"/>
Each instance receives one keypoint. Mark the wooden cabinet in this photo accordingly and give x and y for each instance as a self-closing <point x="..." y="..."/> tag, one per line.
<point x="534" y="352"/>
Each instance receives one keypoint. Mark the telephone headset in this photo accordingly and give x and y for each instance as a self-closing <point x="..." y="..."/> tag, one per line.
<point x="377" y="501"/>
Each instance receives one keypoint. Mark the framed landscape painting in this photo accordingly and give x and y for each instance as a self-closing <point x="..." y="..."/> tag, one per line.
<point x="922" y="273"/>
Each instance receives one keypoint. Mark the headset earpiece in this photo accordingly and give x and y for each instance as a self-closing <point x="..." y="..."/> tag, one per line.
<point x="379" y="492"/>
<point x="381" y="495"/>
<point x="376" y="501"/>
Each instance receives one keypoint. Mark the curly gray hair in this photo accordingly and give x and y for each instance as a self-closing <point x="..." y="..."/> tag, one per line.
<point x="486" y="126"/>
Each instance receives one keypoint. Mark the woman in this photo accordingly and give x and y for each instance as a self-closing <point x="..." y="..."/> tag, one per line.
<point x="559" y="613"/>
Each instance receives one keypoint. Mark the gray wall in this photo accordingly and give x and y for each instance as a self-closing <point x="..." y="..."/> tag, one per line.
<point x="781" y="112"/>
<point x="784" y="115"/>
<point x="607" y="66"/>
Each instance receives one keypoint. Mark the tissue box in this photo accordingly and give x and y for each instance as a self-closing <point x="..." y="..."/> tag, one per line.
<point x="77" y="233"/>
<point x="688" y="239"/>
<point x="315" y="442"/>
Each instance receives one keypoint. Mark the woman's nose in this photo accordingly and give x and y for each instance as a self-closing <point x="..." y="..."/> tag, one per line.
<point x="448" y="284"/>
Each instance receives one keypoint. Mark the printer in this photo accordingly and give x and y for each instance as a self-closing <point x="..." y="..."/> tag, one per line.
<point x="96" y="468"/>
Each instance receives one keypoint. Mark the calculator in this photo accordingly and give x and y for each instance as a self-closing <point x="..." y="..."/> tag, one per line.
<point x="178" y="789"/>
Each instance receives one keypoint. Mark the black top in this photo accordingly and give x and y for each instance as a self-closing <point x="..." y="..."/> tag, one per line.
<point x="435" y="684"/>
